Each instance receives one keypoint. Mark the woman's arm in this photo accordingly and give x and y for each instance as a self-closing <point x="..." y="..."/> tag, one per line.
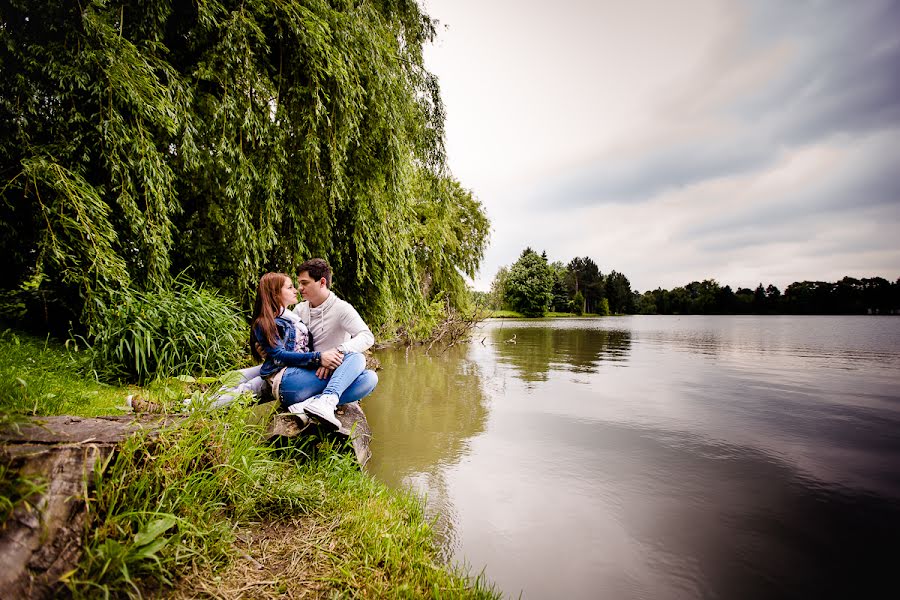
<point x="287" y="358"/>
<point x="280" y="357"/>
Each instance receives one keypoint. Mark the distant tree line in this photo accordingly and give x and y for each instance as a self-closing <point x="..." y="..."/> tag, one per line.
<point x="849" y="296"/>
<point x="534" y="286"/>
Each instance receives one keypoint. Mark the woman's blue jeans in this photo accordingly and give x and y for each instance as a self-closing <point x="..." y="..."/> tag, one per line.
<point x="350" y="382"/>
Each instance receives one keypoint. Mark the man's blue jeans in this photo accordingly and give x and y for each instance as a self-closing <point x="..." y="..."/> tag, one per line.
<point x="350" y="382"/>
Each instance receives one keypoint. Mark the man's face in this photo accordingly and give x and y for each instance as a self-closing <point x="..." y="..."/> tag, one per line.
<point x="313" y="291"/>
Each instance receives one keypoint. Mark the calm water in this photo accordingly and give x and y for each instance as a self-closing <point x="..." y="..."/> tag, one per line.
<point x="656" y="457"/>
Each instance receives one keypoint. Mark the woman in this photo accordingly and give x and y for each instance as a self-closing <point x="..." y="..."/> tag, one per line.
<point x="282" y="340"/>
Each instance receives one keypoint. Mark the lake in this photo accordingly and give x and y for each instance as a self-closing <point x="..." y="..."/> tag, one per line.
<point x="655" y="456"/>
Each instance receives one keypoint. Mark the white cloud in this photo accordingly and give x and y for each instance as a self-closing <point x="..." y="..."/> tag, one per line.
<point x="745" y="142"/>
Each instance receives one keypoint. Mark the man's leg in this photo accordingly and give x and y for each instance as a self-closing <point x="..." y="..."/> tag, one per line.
<point x="298" y="385"/>
<point x="323" y="405"/>
<point x="360" y="388"/>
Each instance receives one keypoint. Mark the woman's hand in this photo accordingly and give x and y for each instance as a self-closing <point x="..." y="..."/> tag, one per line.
<point x="323" y="372"/>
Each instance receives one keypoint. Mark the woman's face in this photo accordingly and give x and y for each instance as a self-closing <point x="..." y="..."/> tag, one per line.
<point x="288" y="292"/>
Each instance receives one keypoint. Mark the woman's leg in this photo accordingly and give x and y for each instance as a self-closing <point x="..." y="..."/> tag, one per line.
<point x="250" y="382"/>
<point x="360" y="388"/>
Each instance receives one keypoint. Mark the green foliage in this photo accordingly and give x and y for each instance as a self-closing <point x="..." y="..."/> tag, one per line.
<point x="618" y="294"/>
<point x="583" y="275"/>
<point x="182" y="329"/>
<point x="172" y="510"/>
<point x="450" y="232"/>
<point x="224" y="139"/>
<point x="529" y="285"/>
<point x="603" y="308"/>
<point x="578" y="303"/>
<point x="497" y="295"/>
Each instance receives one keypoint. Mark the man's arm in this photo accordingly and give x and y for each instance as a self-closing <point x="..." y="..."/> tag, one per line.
<point x="361" y="338"/>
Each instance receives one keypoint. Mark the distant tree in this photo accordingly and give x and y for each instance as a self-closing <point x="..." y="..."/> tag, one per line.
<point x="561" y="301"/>
<point x="584" y="276"/>
<point x="646" y="304"/>
<point x="603" y="308"/>
<point x="529" y="284"/>
<point x="618" y="293"/>
<point x="497" y="295"/>
<point x="578" y="303"/>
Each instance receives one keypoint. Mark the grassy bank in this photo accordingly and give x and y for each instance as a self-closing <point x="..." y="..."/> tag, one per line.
<point x="206" y="509"/>
<point x="511" y="314"/>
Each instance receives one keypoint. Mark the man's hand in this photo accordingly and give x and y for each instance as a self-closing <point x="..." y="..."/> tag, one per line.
<point x="331" y="359"/>
<point x="323" y="373"/>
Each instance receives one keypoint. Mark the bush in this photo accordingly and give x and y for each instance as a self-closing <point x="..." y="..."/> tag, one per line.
<point x="182" y="329"/>
<point x="578" y="303"/>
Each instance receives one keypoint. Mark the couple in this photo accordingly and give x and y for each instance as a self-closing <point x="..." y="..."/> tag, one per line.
<point x="303" y="380"/>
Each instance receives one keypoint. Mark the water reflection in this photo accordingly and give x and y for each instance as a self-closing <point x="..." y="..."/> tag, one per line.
<point x="657" y="457"/>
<point x="533" y="351"/>
<point x="422" y="414"/>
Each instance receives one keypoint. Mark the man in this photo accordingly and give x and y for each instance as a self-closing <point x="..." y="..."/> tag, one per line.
<point x="337" y="332"/>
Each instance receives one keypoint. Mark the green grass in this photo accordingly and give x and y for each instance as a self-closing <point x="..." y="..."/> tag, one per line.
<point x="43" y="377"/>
<point x="206" y="508"/>
<point x="511" y="314"/>
<point x="505" y="314"/>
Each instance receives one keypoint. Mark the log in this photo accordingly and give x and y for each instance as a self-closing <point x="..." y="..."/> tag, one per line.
<point x="42" y="539"/>
<point x="353" y="426"/>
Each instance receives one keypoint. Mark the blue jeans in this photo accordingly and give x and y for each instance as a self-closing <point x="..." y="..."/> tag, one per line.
<point x="350" y="382"/>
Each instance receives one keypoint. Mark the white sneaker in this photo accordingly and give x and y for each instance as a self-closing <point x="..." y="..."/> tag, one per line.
<point x="322" y="407"/>
<point x="299" y="408"/>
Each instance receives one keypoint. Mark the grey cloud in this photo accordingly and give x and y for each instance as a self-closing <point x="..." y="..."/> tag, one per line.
<point x="842" y="78"/>
<point x="866" y="191"/>
<point x="627" y="179"/>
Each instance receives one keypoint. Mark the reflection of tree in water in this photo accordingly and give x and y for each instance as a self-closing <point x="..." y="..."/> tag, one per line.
<point x="538" y="349"/>
<point x="422" y="414"/>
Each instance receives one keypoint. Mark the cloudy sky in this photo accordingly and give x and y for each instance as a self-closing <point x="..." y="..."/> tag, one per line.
<point x="746" y="141"/>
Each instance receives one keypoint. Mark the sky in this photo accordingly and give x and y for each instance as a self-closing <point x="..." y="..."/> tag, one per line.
<point x="753" y="141"/>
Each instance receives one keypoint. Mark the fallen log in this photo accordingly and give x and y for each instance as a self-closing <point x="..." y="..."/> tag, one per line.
<point x="41" y="539"/>
<point x="353" y="426"/>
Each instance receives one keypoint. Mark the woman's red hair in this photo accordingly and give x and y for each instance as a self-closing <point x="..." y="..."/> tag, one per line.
<point x="267" y="307"/>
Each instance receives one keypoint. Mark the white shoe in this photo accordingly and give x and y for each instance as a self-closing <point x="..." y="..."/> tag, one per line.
<point x="299" y="408"/>
<point x="322" y="407"/>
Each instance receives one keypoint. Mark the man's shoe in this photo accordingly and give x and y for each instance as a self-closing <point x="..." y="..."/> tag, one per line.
<point x="322" y="408"/>
<point x="299" y="408"/>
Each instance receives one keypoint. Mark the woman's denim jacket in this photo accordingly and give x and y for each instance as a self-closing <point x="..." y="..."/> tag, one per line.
<point x="282" y="354"/>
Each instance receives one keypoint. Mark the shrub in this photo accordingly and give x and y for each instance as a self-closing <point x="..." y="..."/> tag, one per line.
<point x="180" y="329"/>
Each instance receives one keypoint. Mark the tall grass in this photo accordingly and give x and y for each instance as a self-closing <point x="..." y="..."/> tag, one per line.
<point x="169" y="510"/>
<point x="142" y="335"/>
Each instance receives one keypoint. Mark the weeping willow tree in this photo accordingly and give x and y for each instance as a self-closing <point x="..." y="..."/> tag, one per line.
<point x="140" y="140"/>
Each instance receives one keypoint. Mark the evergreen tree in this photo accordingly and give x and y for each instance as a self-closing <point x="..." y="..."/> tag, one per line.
<point x="529" y="285"/>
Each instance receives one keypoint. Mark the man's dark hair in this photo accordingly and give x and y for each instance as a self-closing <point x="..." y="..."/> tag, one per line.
<point x="317" y="269"/>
